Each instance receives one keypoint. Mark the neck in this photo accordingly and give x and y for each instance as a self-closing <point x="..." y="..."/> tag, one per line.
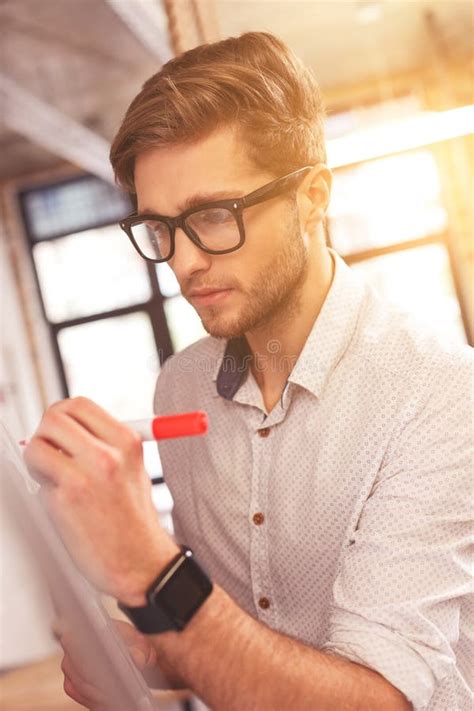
<point x="276" y="345"/>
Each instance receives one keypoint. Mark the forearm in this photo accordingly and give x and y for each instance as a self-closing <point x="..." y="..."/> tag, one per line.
<point x="234" y="662"/>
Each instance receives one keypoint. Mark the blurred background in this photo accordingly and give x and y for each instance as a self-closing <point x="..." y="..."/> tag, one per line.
<point x="81" y="313"/>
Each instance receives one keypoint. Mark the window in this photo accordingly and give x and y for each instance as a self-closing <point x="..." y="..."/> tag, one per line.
<point x="388" y="220"/>
<point x="70" y="206"/>
<point x="100" y="355"/>
<point x="385" y="202"/>
<point x="113" y="317"/>
<point x="89" y="272"/>
<point x="418" y="280"/>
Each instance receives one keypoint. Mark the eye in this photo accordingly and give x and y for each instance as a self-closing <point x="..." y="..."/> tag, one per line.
<point x="214" y="216"/>
<point x="158" y="230"/>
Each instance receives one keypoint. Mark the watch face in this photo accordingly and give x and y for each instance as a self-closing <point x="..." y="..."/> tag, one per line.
<point x="184" y="592"/>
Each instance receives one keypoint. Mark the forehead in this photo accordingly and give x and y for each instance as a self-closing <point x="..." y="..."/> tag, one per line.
<point x="168" y="177"/>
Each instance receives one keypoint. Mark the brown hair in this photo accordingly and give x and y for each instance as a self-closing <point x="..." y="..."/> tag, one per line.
<point x="254" y="81"/>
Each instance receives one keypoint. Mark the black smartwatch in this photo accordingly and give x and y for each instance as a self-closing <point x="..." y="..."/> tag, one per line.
<point x="173" y="598"/>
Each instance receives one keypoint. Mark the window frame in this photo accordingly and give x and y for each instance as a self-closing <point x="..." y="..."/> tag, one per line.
<point x="153" y="307"/>
<point x="443" y="238"/>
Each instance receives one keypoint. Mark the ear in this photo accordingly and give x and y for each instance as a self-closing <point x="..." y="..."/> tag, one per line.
<point x="313" y="197"/>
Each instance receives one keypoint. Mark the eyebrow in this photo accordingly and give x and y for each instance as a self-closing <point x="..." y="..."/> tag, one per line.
<point x="200" y="199"/>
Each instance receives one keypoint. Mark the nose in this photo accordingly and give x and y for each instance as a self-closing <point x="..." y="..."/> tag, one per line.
<point x="188" y="258"/>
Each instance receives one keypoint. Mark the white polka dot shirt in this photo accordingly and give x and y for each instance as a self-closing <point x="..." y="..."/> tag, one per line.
<point x="343" y="517"/>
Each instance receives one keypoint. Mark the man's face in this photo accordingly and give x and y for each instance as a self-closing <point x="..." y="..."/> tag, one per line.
<point x="244" y="290"/>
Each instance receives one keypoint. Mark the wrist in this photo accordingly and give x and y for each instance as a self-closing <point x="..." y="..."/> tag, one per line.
<point x="132" y="592"/>
<point x="172" y="598"/>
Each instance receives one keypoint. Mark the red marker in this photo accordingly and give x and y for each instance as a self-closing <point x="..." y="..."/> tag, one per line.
<point x="186" y="424"/>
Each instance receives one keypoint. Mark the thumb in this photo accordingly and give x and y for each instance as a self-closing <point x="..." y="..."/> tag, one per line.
<point x="143" y="658"/>
<point x="138" y="657"/>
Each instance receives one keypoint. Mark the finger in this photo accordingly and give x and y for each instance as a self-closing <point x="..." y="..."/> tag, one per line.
<point x="144" y="655"/>
<point x="127" y="631"/>
<point x="72" y="669"/>
<point x="64" y="432"/>
<point x="74" y="693"/>
<point x="142" y="651"/>
<point x="58" y="628"/>
<point x="100" y="423"/>
<point x="78" y="666"/>
<point x="171" y="695"/>
<point x="85" y="688"/>
<point x="138" y="656"/>
<point x="67" y="434"/>
<point x="80" y="698"/>
<point x="45" y="463"/>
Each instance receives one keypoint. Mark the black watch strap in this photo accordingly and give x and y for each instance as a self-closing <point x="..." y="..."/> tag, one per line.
<point x="149" y="619"/>
<point x="173" y="598"/>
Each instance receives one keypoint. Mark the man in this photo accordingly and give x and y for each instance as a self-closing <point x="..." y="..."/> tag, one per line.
<point x="328" y="504"/>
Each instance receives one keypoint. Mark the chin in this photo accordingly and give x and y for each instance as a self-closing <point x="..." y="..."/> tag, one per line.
<point x="222" y="330"/>
<point x="218" y="326"/>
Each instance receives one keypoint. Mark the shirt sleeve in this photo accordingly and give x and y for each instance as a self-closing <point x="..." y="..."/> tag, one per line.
<point x="405" y="572"/>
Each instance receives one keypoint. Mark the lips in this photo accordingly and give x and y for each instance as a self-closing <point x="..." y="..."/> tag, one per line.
<point x="205" y="297"/>
<point x="205" y="292"/>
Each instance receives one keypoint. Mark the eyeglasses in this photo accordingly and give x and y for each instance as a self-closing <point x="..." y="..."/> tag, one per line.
<point x="215" y="227"/>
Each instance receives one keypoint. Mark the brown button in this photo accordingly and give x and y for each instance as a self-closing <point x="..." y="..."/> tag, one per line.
<point x="264" y="603"/>
<point x="258" y="519"/>
<point x="264" y="432"/>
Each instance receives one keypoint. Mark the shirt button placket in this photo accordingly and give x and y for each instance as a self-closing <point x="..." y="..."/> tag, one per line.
<point x="261" y="583"/>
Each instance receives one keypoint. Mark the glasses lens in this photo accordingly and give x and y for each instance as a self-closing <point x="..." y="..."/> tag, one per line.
<point x="153" y="239"/>
<point x="216" y="228"/>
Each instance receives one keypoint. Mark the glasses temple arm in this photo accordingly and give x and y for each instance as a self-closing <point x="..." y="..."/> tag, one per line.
<point x="273" y="189"/>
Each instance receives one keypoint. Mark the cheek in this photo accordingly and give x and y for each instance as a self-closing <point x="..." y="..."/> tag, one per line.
<point x="265" y="234"/>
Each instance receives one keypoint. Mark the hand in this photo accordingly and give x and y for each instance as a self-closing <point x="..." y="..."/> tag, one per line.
<point x="84" y="690"/>
<point x="94" y="485"/>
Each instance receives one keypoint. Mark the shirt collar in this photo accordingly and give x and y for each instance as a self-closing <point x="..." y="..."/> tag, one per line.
<point x="232" y="370"/>
<point x="325" y="346"/>
<point x="332" y="331"/>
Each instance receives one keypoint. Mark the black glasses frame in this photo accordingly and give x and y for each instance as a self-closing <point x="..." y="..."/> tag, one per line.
<point x="236" y="206"/>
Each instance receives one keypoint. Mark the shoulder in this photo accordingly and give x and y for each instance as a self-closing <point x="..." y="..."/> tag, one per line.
<point x="399" y="347"/>
<point x="189" y="375"/>
<point x="426" y="381"/>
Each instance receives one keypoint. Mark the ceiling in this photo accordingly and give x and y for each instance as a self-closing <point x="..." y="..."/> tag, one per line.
<point x="73" y="65"/>
<point x="346" y="42"/>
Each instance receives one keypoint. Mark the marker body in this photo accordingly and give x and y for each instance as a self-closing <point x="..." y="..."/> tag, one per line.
<point x="186" y="424"/>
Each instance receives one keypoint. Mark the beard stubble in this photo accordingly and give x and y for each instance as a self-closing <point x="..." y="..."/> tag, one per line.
<point x="273" y="299"/>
